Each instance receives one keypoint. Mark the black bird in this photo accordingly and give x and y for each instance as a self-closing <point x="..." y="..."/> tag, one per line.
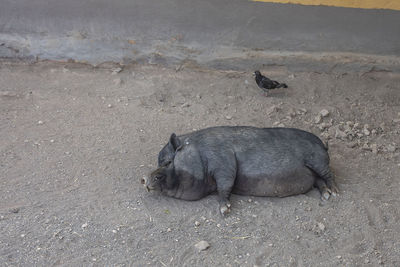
<point x="265" y="83"/>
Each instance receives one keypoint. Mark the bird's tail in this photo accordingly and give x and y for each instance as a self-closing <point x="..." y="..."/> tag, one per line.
<point x="282" y="85"/>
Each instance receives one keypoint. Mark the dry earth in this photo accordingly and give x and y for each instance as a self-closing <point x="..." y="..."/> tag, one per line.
<point x="75" y="140"/>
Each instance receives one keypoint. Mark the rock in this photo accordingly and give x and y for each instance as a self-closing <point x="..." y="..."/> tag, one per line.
<point x="228" y="117"/>
<point x="391" y="148"/>
<point x="301" y="111"/>
<point x="281" y="125"/>
<point x="350" y="123"/>
<point x="40" y="122"/>
<point x="116" y="71"/>
<point x="109" y="106"/>
<point x="339" y="134"/>
<point x="197" y="223"/>
<point x="318" y="119"/>
<point x="246" y="81"/>
<point x="118" y="81"/>
<point x="352" y="144"/>
<point x="396" y="121"/>
<point x="366" y="132"/>
<point x="324" y="125"/>
<point x="273" y="109"/>
<point x="374" y="148"/>
<point x="169" y="229"/>
<point x="202" y="245"/>
<point x="321" y="226"/>
<point x="185" y="105"/>
<point x="366" y="147"/>
<point x="324" y="113"/>
<point x="84" y="225"/>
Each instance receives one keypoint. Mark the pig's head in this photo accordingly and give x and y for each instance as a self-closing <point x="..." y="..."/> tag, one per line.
<point x="163" y="178"/>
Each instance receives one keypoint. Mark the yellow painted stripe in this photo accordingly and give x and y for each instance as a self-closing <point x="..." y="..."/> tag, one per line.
<point x="368" y="4"/>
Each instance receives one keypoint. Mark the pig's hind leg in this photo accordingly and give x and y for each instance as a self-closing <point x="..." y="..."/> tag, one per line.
<point x="323" y="189"/>
<point x="325" y="181"/>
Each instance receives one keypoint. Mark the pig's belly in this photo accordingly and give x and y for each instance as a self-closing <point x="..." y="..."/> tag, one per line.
<point x="274" y="184"/>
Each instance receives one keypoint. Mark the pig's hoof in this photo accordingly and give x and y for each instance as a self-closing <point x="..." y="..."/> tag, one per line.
<point x="225" y="209"/>
<point x="326" y="195"/>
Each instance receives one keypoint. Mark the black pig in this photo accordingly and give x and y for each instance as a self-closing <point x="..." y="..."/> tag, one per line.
<point x="274" y="162"/>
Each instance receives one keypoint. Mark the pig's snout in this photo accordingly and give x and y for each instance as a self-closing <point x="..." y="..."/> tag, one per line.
<point x="143" y="181"/>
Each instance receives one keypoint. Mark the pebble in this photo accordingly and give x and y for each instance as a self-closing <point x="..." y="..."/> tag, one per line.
<point x="109" y="106"/>
<point x="228" y="117"/>
<point x="116" y="70"/>
<point x="374" y="148"/>
<point x="391" y="148"/>
<point x="366" y="132"/>
<point x="339" y="134"/>
<point x="185" y="105"/>
<point x="321" y="226"/>
<point x="197" y="223"/>
<point x="202" y="245"/>
<point x="246" y="81"/>
<point x="318" y="119"/>
<point x="84" y="225"/>
<point x="324" y="113"/>
<point x="118" y="81"/>
<point x="169" y="229"/>
<point x="40" y="122"/>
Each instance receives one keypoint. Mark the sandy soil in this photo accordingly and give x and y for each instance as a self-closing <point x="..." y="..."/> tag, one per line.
<point x="75" y="140"/>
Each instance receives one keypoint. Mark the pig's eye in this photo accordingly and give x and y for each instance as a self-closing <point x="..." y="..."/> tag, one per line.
<point x="165" y="164"/>
<point x="158" y="177"/>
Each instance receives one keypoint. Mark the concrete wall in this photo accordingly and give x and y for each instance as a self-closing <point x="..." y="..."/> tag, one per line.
<point x="124" y="30"/>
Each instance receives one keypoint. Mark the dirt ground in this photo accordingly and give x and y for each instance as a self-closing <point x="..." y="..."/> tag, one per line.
<point x="75" y="140"/>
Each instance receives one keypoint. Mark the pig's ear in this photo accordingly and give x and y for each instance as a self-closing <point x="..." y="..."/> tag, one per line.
<point x="175" y="142"/>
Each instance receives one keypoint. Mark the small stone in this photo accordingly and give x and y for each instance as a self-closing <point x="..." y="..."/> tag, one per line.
<point x="324" y="113"/>
<point x="202" y="245"/>
<point x="273" y="109"/>
<point x="373" y="131"/>
<point x="84" y="225"/>
<point x="169" y="229"/>
<point x="396" y="121"/>
<point x="228" y="117"/>
<point x="318" y="119"/>
<point x="352" y="144"/>
<point x="14" y="210"/>
<point x="197" y="223"/>
<point x="339" y="257"/>
<point x="301" y="111"/>
<point x="321" y="226"/>
<point x="366" y="126"/>
<point x="52" y="141"/>
<point x="281" y="125"/>
<point x="246" y="81"/>
<point x="114" y="231"/>
<point x="366" y="132"/>
<point x="118" y="81"/>
<point x="374" y="148"/>
<point x="366" y="147"/>
<point x="185" y="105"/>
<point x="116" y="71"/>
<point x="391" y="148"/>
<point x="40" y="122"/>
<point x="350" y="123"/>
<point x="109" y="106"/>
<point x="339" y="134"/>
